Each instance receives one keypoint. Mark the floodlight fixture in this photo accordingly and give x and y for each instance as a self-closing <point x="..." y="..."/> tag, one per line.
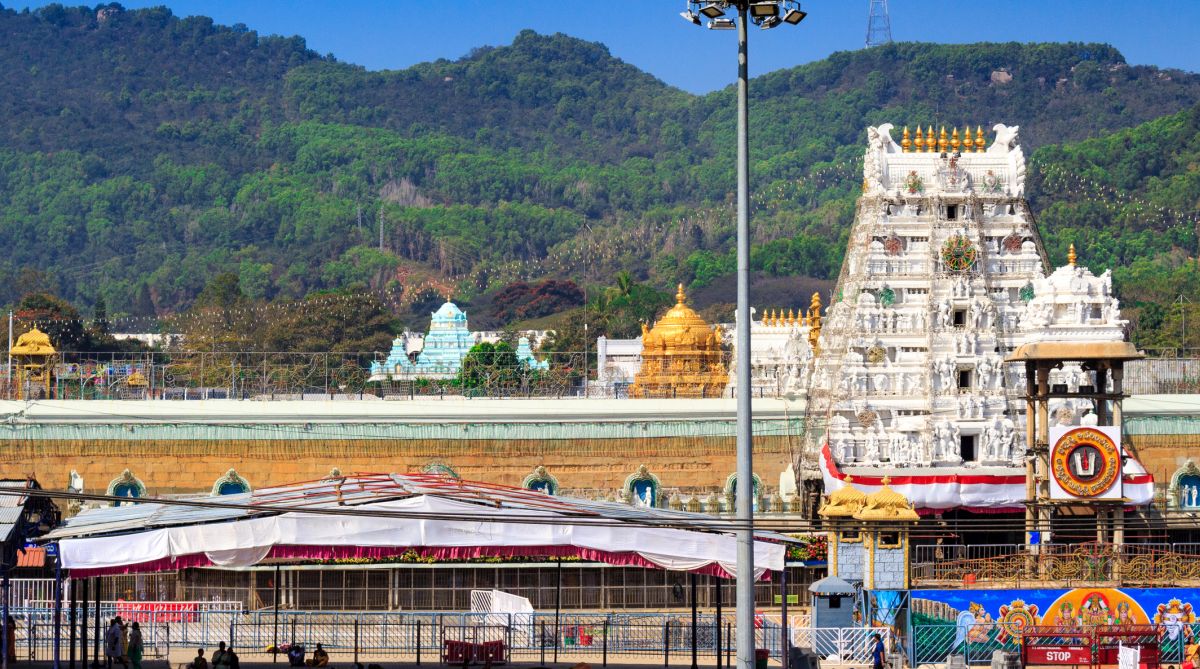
<point x="770" y="22"/>
<point x="794" y="16"/>
<point x="764" y="9"/>
<point x="713" y="10"/>
<point x="722" y="24"/>
<point x="690" y="17"/>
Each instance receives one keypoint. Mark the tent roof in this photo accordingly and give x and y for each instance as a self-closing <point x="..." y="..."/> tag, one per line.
<point x="380" y="515"/>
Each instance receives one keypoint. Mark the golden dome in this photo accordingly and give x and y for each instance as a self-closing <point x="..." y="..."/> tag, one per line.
<point x="887" y="504"/>
<point x="681" y="356"/>
<point x="843" y="502"/>
<point x="679" y="323"/>
<point x="34" y="342"/>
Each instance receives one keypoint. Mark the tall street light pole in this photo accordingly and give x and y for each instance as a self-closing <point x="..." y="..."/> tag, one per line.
<point x="766" y="14"/>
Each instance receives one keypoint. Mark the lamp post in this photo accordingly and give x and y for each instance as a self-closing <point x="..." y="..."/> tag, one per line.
<point x="766" y="14"/>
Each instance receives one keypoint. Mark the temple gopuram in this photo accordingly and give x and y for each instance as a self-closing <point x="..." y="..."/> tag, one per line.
<point x="681" y="356"/>
<point x="441" y="354"/>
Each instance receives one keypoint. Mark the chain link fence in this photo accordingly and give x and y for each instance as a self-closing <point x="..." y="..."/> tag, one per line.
<point x="595" y="637"/>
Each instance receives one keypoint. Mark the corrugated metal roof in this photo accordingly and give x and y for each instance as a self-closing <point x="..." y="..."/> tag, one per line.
<point x="11" y="507"/>
<point x="362" y="489"/>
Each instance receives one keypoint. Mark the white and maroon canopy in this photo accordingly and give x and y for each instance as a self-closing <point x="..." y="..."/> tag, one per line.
<point x="384" y="515"/>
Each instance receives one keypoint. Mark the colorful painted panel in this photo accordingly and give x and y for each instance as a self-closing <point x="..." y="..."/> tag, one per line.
<point x="977" y="622"/>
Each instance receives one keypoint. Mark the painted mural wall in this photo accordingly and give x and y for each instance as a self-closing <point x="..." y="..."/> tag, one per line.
<point x="977" y="622"/>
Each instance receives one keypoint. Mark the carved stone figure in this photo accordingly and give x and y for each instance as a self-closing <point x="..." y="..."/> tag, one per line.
<point x="871" y="454"/>
<point x="943" y="314"/>
<point x="898" y="451"/>
<point x="1006" y="138"/>
<point x="978" y="313"/>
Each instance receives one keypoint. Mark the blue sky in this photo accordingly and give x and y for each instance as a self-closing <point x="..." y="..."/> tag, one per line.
<point x="391" y="34"/>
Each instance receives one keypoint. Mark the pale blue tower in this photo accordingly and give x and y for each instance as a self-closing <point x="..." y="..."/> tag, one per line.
<point x="446" y="345"/>
<point x="525" y="355"/>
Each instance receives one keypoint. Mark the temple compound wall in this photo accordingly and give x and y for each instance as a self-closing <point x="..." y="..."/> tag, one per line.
<point x="652" y="452"/>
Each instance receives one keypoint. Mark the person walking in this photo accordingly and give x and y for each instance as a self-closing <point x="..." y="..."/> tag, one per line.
<point x="135" y="646"/>
<point x="877" y="652"/>
<point x="199" y="662"/>
<point x="222" y="659"/>
<point x="112" y="644"/>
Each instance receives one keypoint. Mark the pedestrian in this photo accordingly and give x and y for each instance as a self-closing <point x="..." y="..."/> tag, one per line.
<point x="877" y="652"/>
<point x="112" y="644"/>
<point x="135" y="646"/>
<point x="124" y="642"/>
<point x="199" y="662"/>
<point x="222" y="659"/>
<point x="319" y="658"/>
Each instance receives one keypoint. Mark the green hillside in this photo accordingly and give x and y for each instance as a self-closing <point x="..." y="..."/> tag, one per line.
<point x="142" y="154"/>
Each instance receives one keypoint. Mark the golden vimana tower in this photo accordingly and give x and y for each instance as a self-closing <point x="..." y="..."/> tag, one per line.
<point x="681" y="356"/>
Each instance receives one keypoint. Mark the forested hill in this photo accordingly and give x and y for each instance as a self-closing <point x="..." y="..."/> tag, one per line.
<point x="141" y="154"/>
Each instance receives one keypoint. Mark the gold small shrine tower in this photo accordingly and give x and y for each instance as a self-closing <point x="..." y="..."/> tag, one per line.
<point x="32" y="355"/>
<point x="681" y="356"/>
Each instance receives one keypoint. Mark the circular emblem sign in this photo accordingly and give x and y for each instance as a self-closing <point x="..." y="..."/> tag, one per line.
<point x="1085" y="462"/>
<point x="958" y="254"/>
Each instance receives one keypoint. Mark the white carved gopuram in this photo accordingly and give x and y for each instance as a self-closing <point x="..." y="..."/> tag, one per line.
<point x="944" y="276"/>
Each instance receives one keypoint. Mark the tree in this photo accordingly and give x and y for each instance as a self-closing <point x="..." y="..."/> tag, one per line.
<point x="54" y="316"/>
<point x="494" y="366"/>
<point x="352" y="322"/>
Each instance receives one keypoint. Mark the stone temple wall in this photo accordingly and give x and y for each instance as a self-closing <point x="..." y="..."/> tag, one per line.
<point x="889" y="568"/>
<point x="590" y="467"/>
<point x="851" y="558"/>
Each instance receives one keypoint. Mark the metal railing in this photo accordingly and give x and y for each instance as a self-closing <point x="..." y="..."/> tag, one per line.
<point x="933" y="643"/>
<point x="666" y="637"/>
<point x="191" y="375"/>
<point x="841" y="645"/>
<point x="1131" y="564"/>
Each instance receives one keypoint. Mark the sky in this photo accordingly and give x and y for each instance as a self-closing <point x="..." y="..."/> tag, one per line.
<point x="394" y="34"/>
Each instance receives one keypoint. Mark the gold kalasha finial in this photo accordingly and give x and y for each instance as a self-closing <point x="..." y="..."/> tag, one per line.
<point x="943" y="141"/>
<point x="680" y="296"/>
<point x="920" y="141"/>
<point x="954" y="144"/>
<point x="979" y="140"/>
<point x="1071" y="256"/>
<point x="930" y="141"/>
<point x="906" y="143"/>
<point x="791" y="316"/>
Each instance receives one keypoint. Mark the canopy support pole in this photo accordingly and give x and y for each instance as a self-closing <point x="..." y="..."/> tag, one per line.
<point x="720" y="646"/>
<point x="695" y="622"/>
<point x="73" y="604"/>
<point x="57" y="613"/>
<point x="8" y="625"/>
<point x="783" y="616"/>
<point x="83" y="622"/>
<point x="96" y="633"/>
<point x="275" y="643"/>
<point x="557" y="605"/>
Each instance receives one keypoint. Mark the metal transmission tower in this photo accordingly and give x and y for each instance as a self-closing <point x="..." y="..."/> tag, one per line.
<point x="879" y="24"/>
